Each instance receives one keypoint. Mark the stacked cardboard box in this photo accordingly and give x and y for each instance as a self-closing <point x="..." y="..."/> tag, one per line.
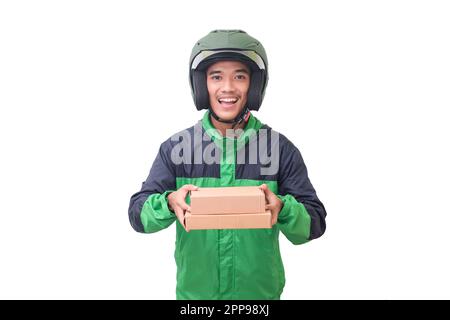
<point x="228" y="208"/>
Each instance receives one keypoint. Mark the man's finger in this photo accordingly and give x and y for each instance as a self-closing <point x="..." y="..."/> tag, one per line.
<point x="183" y="205"/>
<point x="180" y="214"/>
<point x="274" y="219"/>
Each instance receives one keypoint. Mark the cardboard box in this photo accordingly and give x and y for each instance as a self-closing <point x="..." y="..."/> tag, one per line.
<point x="228" y="200"/>
<point x="228" y="221"/>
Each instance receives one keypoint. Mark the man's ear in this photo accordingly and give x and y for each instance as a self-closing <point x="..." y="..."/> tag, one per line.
<point x="201" y="95"/>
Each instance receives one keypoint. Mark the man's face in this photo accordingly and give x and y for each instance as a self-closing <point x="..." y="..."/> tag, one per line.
<point x="228" y="83"/>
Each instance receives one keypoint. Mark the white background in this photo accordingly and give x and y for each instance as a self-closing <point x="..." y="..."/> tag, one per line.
<point x="89" y="90"/>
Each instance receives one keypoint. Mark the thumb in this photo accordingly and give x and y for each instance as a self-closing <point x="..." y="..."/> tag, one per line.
<point x="267" y="192"/>
<point x="264" y="188"/>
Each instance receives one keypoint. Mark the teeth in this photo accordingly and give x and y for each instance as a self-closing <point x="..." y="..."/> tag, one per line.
<point x="228" y="100"/>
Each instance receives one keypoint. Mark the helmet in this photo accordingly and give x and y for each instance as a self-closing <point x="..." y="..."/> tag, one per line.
<point x="234" y="45"/>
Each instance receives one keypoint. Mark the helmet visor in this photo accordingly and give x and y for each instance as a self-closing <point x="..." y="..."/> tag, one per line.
<point x="252" y="55"/>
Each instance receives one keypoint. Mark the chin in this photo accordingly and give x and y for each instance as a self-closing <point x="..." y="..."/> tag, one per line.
<point x="227" y="114"/>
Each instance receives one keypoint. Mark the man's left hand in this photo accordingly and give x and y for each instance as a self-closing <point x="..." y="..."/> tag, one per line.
<point x="273" y="203"/>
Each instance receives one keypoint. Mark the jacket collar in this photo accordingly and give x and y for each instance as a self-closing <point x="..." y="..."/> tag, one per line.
<point x="252" y="126"/>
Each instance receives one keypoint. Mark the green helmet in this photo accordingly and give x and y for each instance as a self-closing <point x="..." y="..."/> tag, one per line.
<point x="221" y="45"/>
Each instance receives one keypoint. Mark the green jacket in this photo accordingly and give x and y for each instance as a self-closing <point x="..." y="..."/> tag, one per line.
<point x="230" y="264"/>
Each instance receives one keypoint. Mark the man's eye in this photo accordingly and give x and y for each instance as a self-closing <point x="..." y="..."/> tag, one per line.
<point x="240" y="77"/>
<point x="215" y="77"/>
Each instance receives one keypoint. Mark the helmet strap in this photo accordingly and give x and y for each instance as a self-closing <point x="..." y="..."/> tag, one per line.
<point x="243" y="116"/>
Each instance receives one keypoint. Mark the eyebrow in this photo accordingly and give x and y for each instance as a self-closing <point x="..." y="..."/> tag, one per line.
<point x="236" y="71"/>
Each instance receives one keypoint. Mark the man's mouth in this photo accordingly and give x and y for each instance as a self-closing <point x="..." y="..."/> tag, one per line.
<point x="229" y="101"/>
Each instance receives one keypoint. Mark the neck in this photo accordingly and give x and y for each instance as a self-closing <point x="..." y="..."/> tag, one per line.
<point x="223" y="127"/>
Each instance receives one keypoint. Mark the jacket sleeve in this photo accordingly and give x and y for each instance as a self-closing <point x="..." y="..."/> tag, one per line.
<point x="148" y="211"/>
<point x="302" y="217"/>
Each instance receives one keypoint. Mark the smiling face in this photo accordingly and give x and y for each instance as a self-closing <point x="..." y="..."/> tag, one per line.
<point x="228" y="83"/>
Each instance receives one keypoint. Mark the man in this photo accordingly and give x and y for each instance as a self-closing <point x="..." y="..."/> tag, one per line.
<point x="229" y="147"/>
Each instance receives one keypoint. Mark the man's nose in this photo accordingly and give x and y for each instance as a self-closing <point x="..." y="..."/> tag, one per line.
<point x="228" y="85"/>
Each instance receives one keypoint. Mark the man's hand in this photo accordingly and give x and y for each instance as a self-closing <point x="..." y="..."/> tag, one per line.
<point x="177" y="202"/>
<point x="273" y="203"/>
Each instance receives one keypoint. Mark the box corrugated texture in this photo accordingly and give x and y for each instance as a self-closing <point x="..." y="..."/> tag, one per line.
<point x="227" y="200"/>
<point x="228" y="221"/>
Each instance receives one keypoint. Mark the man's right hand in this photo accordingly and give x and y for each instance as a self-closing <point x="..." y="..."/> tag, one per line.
<point x="177" y="202"/>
